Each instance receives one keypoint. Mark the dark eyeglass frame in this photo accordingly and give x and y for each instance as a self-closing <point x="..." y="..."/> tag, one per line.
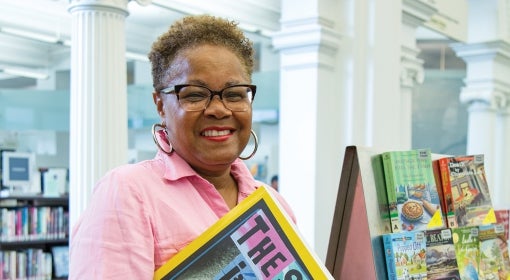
<point x="177" y="88"/>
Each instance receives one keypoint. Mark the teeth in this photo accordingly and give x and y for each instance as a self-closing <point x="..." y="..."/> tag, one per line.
<point x="212" y="133"/>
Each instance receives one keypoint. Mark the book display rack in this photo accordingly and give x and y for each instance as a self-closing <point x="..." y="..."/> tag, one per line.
<point x="361" y="223"/>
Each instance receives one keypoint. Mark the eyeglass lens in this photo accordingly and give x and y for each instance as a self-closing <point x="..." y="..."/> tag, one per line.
<point x="196" y="98"/>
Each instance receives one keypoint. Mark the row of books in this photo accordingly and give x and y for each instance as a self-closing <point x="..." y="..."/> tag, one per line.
<point x="440" y="222"/>
<point x="26" y="264"/>
<point x="419" y="193"/>
<point x="473" y="252"/>
<point x="33" y="223"/>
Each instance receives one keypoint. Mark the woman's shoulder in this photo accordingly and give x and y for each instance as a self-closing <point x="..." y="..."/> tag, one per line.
<point x="134" y="169"/>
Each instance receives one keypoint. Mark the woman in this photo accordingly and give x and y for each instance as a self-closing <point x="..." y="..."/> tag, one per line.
<point x="141" y="215"/>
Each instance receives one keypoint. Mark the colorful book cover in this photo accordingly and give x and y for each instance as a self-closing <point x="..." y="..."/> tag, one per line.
<point x="494" y="261"/>
<point x="466" y="191"/>
<point x="405" y="255"/>
<point x="441" y="259"/>
<point x="255" y="240"/>
<point x="465" y="240"/>
<point x="503" y="217"/>
<point x="413" y="198"/>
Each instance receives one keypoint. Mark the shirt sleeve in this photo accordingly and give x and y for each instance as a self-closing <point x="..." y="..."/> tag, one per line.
<point x="113" y="238"/>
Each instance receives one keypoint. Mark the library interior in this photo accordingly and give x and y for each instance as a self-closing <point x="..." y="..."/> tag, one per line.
<point x="338" y="82"/>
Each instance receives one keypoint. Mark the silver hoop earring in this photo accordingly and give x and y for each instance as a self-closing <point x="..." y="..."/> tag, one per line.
<point x="155" y="138"/>
<point x="256" y="146"/>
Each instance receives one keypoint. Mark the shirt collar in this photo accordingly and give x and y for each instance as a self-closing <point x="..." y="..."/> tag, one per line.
<point x="176" y="168"/>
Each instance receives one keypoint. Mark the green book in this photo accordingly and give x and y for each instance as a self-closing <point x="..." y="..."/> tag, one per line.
<point x="466" y="242"/>
<point x="413" y="197"/>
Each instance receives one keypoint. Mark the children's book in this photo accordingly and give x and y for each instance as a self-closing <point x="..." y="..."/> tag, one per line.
<point x="465" y="240"/>
<point x="466" y="191"/>
<point x="255" y="240"/>
<point x="503" y="218"/>
<point x="413" y="198"/>
<point x="405" y="255"/>
<point x="494" y="261"/>
<point x="441" y="259"/>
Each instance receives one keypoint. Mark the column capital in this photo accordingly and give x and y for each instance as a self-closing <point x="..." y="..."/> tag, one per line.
<point x="488" y="97"/>
<point x="414" y="14"/>
<point x="411" y="71"/>
<point x="487" y="76"/>
<point x="143" y="2"/>
<point x="117" y="6"/>
<point x="309" y="35"/>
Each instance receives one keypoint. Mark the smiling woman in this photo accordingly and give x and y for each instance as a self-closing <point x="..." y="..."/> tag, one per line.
<point x="201" y="69"/>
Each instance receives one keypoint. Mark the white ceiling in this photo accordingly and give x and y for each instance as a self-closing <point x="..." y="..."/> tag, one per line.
<point x="51" y="19"/>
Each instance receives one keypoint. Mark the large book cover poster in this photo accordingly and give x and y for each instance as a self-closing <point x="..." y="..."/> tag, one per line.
<point x="465" y="240"/>
<point x="465" y="187"/>
<point x="405" y="254"/>
<point x="413" y="198"/>
<point x="441" y="258"/>
<point x="255" y="240"/>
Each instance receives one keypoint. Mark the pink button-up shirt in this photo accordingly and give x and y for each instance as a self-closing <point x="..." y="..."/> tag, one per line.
<point x="142" y="214"/>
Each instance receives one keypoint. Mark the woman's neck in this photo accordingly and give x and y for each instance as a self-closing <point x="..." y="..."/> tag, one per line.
<point x="227" y="187"/>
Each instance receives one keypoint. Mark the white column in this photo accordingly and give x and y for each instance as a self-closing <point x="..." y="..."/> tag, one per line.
<point x="311" y="113"/>
<point x="414" y="15"/>
<point x="487" y="91"/>
<point x="98" y="126"/>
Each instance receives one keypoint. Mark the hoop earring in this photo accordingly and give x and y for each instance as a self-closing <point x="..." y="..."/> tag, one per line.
<point x="256" y="146"/>
<point x="155" y="138"/>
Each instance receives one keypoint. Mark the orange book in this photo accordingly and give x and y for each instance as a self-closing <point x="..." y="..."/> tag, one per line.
<point x="467" y="198"/>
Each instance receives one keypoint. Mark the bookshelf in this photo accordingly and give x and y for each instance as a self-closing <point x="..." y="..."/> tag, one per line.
<point x="31" y="225"/>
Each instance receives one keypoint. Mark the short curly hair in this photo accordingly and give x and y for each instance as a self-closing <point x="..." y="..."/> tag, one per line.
<point x="192" y="31"/>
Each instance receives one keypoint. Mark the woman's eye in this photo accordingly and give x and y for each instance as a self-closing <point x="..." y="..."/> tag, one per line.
<point x="194" y="96"/>
<point x="234" y="95"/>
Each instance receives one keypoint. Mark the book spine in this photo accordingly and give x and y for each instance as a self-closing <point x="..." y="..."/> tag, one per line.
<point x="391" y="193"/>
<point x="439" y="186"/>
<point x="447" y="192"/>
<point x="390" y="256"/>
<point x="382" y="197"/>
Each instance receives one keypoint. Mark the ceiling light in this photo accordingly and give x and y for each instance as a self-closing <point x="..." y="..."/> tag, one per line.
<point x="137" y="56"/>
<point x="25" y="73"/>
<point x="30" y="35"/>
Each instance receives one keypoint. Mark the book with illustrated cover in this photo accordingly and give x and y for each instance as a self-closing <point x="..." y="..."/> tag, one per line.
<point x="466" y="191"/>
<point x="255" y="240"/>
<point x="494" y="261"/>
<point x="441" y="258"/>
<point x="413" y="197"/>
<point x="405" y="255"/>
<point x="465" y="240"/>
<point x="503" y="217"/>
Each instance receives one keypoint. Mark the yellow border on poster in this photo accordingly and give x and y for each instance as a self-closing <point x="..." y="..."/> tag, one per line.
<point x="309" y="259"/>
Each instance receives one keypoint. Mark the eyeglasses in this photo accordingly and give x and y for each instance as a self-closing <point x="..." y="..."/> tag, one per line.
<point x="236" y="98"/>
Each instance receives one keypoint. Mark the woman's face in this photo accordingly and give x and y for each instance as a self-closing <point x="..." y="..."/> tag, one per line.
<point x="190" y="133"/>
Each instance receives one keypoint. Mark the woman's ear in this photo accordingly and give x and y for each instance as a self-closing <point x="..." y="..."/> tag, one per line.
<point x="159" y="103"/>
